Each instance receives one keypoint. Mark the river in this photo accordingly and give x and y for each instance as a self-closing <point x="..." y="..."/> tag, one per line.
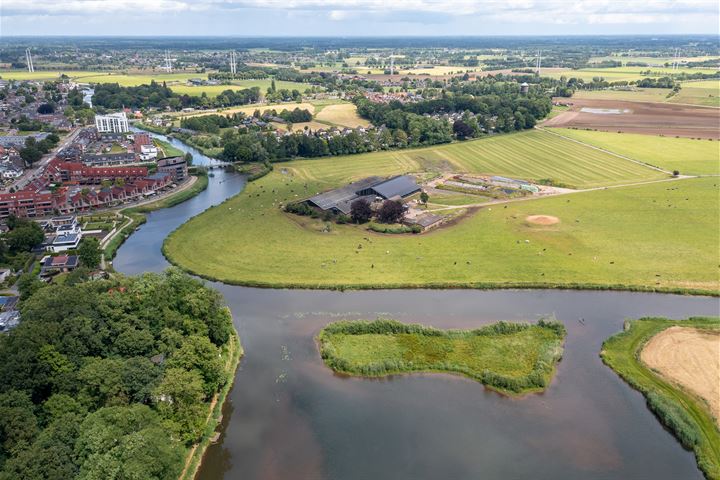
<point x="290" y="417"/>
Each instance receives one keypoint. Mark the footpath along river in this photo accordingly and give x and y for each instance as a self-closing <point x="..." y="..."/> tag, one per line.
<point x="290" y="417"/>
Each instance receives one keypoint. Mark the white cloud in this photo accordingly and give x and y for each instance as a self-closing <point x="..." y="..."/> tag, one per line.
<point x="509" y="11"/>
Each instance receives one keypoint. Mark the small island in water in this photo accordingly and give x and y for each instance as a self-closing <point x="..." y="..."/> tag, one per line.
<point x="513" y="358"/>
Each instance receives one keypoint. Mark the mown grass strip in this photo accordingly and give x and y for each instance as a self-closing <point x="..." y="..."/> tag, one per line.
<point x="513" y="358"/>
<point x="682" y="413"/>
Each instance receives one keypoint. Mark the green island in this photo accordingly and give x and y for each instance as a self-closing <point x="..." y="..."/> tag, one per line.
<point x="117" y="378"/>
<point x="683" y="413"/>
<point x="612" y="234"/>
<point x="512" y="358"/>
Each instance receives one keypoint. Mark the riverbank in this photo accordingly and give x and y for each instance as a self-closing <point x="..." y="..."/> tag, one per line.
<point x="609" y="239"/>
<point x="681" y="412"/>
<point x="193" y="461"/>
<point x="512" y="358"/>
<point x="136" y="214"/>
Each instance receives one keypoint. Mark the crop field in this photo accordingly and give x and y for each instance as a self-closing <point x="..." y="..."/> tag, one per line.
<point x="681" y="411"/>
<point x="215" y="90"/>
<point x="604" y="237"/>
<point x="667" y="119"/>
<point x="343" y="114"/>
<point x="619" y="74"/>
<point x="689" y="156"/>
<point x="637" y="95"/>
<point x="699" y="93"/>
<point x="250" y="109"/>
<point x="650" y="60"/>
<point x="531" y="155"/>
<point x="514" y="357"/>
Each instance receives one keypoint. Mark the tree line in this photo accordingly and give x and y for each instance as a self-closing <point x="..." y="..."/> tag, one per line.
<point x="110" y="378"/>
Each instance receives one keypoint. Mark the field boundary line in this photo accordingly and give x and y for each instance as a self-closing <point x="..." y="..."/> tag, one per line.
<point x="606" y="151"/>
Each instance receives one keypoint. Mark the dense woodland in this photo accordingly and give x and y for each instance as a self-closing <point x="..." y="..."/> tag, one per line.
<point x="487" y="106"/>
<point x="110" y="378"/>
<point x="112" y="96"/>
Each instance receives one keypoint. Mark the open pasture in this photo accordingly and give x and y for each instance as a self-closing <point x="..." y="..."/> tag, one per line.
<point x="639" y="117"/>
<point x="607" y="237"/>
<point x="342" y="114"/>
<point x="689" y="156"/>
<point x="706" y="92"/>
<point x="250" y="109"/>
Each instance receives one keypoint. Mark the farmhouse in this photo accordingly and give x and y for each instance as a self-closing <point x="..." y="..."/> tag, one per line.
<point x="370" y="188"/>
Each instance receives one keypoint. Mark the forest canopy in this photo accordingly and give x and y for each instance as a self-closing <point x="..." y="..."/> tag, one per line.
<point x="110" y="379"/>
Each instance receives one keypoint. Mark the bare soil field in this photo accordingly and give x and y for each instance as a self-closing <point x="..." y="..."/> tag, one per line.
<point x="639" y="117"/>
<point x="689" y="357"/>
<point x="542" y="219"/>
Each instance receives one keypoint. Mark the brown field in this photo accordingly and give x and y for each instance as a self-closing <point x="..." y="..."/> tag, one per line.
<point x="640" y="117"/>
<point x="689" y="357"/>
<point x="542" y="219"/>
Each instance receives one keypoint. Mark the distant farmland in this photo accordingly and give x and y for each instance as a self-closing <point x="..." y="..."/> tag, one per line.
<point x="689" y="156"/>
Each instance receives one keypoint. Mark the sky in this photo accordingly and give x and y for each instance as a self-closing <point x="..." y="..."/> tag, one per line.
<point x="357" y="17"/>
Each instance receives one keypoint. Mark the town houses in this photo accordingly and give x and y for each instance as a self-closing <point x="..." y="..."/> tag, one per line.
<point x="69" y="187"/>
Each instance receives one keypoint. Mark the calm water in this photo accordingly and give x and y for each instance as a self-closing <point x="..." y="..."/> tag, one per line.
<point x="289" y="417"/>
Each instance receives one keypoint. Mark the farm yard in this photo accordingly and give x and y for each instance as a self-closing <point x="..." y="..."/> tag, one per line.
<point x="615" y="236"/>
<point x="639" y="117"/>
<point x="689" y="156"/>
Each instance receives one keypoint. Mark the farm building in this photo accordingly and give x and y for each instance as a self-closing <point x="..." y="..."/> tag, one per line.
<point x="371" y="188"/>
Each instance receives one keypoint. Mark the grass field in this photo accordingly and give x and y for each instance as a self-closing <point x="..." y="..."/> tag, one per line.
<point x="618" y="74"/>
<point x="511" y="357"/>
<point x="690" y="157"/>
<point x="638" y="95"/>
<point x="342" y="114"/>
<point x="530" y="155"/>
<point x="683" y="413"/>
<point x="168" y="150"/>
<point x="699" y="93"/>
<point x="609" y="237"/>
<point x="249" y="110"/>
<point x="215" y="90"/>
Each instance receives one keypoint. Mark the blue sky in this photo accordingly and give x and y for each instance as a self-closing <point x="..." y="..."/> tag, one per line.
<point x="356" y="17"/>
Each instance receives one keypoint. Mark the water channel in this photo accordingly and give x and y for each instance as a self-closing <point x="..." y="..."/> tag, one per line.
<point x="290" y="417"/>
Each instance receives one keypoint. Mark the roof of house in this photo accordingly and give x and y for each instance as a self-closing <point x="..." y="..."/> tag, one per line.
<point x="401" y="186"/>
<point x="342" y="195"/>
<point x="61" y="261"/>
<point x="69" y="238"/>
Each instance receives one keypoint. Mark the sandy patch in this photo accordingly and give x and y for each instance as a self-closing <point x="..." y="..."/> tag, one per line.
<point x="689" y="357"/>
<point x="542" y="220"/>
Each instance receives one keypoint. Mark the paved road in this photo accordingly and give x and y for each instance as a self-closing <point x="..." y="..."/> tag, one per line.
<point x="30" y="173"/>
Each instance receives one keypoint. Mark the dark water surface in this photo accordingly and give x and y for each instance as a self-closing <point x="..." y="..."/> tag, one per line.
<point x="290" y="417"/>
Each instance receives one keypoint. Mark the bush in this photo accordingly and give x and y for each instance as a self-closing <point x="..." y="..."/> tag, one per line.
<point x="300" y="209"/>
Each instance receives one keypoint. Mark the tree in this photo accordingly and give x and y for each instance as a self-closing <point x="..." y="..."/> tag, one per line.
<point x="89" y="252"/>
<point x="424" y="197"/>
<point x="45" y="109"/>
<point x="360" y="211"/>
<point x="28" y="284"/>
<point x="188" y="158"/>
<point x="391" y="212"/>
<point x="462" y="130"/>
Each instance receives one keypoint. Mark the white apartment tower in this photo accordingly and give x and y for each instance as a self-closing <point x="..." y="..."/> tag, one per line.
<point x="112" y="123"/>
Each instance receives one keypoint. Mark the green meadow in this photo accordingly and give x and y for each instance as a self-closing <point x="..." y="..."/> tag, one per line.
<point x="530" y="155"/>
<point x="687" y="417"/>
<point x="511" y="357"/>
<point x="657" y="236"/>
<point x="689" y="156"/>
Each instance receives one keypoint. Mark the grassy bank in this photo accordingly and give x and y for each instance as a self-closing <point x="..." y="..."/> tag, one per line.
<point x="681" y="412"/>
<point x="137" y="214"/>
<point x="168" y="149"/>
<point x="231" y="356"/>
<point x="513" y="358"/>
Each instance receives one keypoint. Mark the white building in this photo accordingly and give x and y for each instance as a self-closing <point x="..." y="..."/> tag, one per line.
<point x="148" y="152"/>
<point x="112" y="123"/>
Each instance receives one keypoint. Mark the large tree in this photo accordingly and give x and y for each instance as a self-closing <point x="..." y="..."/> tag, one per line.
<point x="391" y="212"/>
<point x="360" y="211"/>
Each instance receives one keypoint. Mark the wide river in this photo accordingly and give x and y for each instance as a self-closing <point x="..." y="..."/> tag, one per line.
<point x="289" y="417"/>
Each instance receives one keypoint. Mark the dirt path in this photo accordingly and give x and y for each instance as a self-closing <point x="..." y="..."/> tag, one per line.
<point x="493" y="202"/>
<point x="689" y="357"/>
